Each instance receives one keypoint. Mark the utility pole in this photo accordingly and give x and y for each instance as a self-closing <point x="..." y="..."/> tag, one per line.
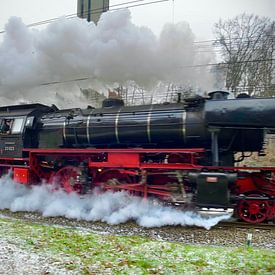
<point x="92" y="9"/>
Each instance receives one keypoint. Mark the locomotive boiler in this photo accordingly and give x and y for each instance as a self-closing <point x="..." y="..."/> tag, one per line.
<point x="182" y="152"/>
<point x="235" y="125"/>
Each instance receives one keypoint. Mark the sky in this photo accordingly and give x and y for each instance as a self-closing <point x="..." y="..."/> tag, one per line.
<point x="200" y="14"/>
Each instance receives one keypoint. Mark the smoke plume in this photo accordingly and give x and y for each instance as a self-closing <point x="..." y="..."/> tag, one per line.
<point x="112" y="208"/>
<point x="114" y="51"/>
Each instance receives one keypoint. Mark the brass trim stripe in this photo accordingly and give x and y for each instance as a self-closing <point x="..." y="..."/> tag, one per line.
<point x="64" y="131"/>
<point x="149" y="124"/>
<point x="87" y="129"/>
<point x="116" y="125"/>
<point x="184" y="125"/>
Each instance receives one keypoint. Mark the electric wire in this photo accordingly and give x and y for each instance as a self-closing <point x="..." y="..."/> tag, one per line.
<point x="190" y="66"/>
<point x="96" y="11"/>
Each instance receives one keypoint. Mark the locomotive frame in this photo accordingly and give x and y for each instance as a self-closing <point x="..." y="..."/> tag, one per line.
<point x="151" y="172"/>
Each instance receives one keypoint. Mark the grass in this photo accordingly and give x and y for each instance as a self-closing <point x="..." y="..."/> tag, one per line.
<point x="89" y="253"/>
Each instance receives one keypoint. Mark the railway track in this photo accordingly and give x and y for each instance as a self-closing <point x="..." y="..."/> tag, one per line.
<point x="240" y="225"/>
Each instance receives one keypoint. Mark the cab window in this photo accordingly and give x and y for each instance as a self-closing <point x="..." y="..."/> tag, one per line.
<point x="17" y="125"/>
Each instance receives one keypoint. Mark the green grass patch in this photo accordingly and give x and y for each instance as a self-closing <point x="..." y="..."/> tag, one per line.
<point x="88" y="253"/>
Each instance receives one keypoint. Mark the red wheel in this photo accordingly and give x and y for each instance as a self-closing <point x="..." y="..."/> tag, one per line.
<point x="253" y="211"/>
<point x="66" y="177"/>
<point x="111" y="177"/>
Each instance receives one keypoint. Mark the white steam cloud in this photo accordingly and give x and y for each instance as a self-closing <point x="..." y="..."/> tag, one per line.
<point x="112" y="208"/>
<point x="114" y="51"/>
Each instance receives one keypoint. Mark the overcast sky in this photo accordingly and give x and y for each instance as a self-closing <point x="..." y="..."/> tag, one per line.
<point x="201" y="14"/>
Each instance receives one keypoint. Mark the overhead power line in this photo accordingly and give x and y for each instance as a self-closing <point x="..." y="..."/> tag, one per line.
<point x="94" y="11"/>
<point x="191" y="66"/>
<point x="97" y="11"/>
<point x="65" y="81"/>
<point x="229" y="63"/>
<point x="246" y="40"/>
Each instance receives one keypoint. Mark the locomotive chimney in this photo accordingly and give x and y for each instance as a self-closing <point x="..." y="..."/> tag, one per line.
<point x="112" y="103"/>
<point x="218" y="95"/>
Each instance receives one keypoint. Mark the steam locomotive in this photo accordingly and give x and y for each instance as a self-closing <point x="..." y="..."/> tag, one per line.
<point x="182" y="153"/>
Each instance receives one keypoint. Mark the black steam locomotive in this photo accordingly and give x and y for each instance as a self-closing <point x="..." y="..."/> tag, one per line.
<point x="239" y="125"/>
<point x="146" y="148"/>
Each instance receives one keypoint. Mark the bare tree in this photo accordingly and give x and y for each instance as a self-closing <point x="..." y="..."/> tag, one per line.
<point x="247" y="48"/>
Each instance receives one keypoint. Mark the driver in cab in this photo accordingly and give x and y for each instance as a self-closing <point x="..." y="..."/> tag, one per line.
<point x="5" y="127"/>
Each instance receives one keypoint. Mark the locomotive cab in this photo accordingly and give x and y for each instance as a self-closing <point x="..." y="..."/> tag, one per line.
<point x="11" y="142"/>
<point x="18" y="128"/>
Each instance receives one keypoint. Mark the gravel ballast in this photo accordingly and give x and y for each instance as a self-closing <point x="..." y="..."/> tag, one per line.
<point x="218" y="235"/>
